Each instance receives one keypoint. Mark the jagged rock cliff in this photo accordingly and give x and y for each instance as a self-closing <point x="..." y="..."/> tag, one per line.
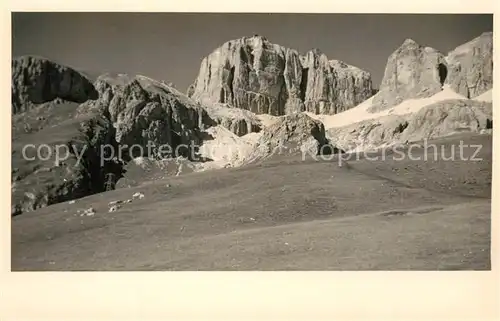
<point x="412" y="71"/>
<point x="36" y="80"/>
<point x="265" y="78"/>
<point x="470" y="66"/>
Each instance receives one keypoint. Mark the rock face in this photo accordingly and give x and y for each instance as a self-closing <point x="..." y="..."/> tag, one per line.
<point x="412" y="71"/>
<point x="145" y="111"/>
<point x="37" y="80"/>
<point x="470" y="66"/>
<point x="265" y="78"/>
<point x="435" y="120"/>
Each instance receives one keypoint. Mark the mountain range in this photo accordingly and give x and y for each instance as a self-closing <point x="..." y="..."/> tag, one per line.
<point x="253" y="103"/>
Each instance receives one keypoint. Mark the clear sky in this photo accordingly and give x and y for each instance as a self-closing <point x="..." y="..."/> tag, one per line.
<point x="170" y="46"/>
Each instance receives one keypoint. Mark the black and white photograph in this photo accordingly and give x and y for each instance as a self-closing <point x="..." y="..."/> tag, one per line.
<point x="163" y="141"/>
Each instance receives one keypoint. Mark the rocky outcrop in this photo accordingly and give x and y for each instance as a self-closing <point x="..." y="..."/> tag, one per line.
<point x="37" y="80"/>
<point x="470" y="66"/>
<point x="145" y="111"/>
<point x="265" y="78"/>
<point x="412" y="71"/>
<point x="435" y="120"/>
<point x="238" y="121"/>
<point x="292" y="134"/>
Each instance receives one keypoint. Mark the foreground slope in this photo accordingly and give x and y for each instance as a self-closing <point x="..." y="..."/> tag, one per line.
<point x="283" y="213"/>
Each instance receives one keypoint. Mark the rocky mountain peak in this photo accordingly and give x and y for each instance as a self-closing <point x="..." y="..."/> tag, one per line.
<point x="412" y="71"/>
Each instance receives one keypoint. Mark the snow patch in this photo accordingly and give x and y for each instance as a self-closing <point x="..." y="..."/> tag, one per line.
<point x="360" y="112"/>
